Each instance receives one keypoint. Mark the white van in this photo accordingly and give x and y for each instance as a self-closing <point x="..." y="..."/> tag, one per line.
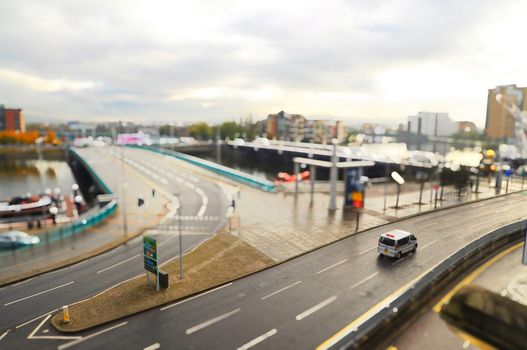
<point x="395" y="243"/>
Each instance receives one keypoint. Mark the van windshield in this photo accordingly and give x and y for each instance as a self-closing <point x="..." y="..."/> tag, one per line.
<point x="387" y="241"/>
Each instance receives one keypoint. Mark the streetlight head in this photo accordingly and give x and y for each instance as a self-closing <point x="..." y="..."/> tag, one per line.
<point x="398" y="178"/>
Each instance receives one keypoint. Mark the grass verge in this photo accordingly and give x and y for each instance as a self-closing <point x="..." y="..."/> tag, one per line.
<point x="220" y="259"/>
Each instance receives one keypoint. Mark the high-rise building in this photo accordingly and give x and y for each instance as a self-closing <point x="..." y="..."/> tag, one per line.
<point x="432" y="124"/>
<point x="499" y="124"/>
<point x="12" y="119"/>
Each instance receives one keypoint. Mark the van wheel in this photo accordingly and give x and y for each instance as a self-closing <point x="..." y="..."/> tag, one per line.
<point x="415" y="249"/>
<point x="398" y="255"/>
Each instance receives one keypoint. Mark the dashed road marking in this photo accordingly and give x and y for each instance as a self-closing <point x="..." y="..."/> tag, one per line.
<point x="258" y="340"/>
<point x="315" y="308"/>
<point x="281" y="290"/>
<point x="332" y="266"/>
<point x="211" y="321"/>
<point x="364" y="280"/>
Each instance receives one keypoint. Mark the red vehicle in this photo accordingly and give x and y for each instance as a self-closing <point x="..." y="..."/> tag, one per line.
<point x="285" y="177"/>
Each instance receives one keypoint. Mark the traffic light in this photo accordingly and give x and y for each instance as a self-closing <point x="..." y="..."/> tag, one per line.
<point x="357" y="199"/>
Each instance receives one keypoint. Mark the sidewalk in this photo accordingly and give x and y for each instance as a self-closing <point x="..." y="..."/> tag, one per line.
<point x="281" y="227"/>
<point x="17" y="265"/>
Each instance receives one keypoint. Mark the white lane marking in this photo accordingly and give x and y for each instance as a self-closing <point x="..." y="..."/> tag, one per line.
<point x="19" y="283"/>
<point x="398" y="261"/>
<point x="34" y="319"/>
<point x="364" y="280"/>
<point x="501" y="211"/>
<point x="202" y="210"/>
<point x="196" y="296"/>
<point x="211" y="321"/>
<point x="33" y="336"/>
<point x="332" y="266"/>
<point x="190" y="185"/>
<point x="153" y="346"/>
<point x="39" y="293"/>
<point x="5" y="333"/>
<point x="316" y="308"/>
<point x="258" y="340"/>
<point x="75" y="342"/>
<point x="163" y="180"/>
<point x="428" y="225"/>
<point x="119" y="263"/>
<point x="466" y="344"/>
<point x="281" y="290"/>
<point x="426" y="245"/>
<point x="367" y="250"/>
<point x="79" y="263"/>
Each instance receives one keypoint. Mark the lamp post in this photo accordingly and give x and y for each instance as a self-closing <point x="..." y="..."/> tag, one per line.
<point x="333" y="177"/>
<point x="54" y="211"/>
<point x="179" y="213"/>
<point x="123" y="187"/>
<point x="399" y="180"/>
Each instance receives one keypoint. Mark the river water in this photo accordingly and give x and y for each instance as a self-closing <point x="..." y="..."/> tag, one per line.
<point x="22" y="172"/>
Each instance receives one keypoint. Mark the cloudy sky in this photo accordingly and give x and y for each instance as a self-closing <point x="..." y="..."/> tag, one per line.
<point x="169" y="61"/>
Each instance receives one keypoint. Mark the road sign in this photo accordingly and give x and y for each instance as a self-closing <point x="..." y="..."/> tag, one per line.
<point x="150" y="254"/>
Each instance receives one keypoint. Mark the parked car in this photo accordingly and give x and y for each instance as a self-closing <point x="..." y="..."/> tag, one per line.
<point x="17" y="239"/>
<point x="396" y="243"/>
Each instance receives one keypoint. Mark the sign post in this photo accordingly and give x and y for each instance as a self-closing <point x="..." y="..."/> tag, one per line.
<point x="524" y="257"/>
<point x="150" y="258"/>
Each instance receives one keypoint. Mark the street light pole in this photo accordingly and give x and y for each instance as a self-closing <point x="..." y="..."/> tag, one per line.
<point x="123" y="186"/>
<point x="333" y="177"/>
<point x="180" y="209"/>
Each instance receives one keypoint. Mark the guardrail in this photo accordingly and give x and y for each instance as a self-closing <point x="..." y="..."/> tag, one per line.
<point x="90" y="219"/>
<point x="373" y="332"/>
<point x="233" y="174"/>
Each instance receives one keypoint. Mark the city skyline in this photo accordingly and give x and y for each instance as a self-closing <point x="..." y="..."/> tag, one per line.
<point x="375" y="62"/>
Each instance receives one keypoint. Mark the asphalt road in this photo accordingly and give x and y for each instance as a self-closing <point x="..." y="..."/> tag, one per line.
<point x="298" y="304"/>
<point x="25" y="300"/>
<point x="505" y="276"/>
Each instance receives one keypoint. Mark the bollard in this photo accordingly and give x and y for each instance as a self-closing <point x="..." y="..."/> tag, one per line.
<point x="65" y="314"/>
